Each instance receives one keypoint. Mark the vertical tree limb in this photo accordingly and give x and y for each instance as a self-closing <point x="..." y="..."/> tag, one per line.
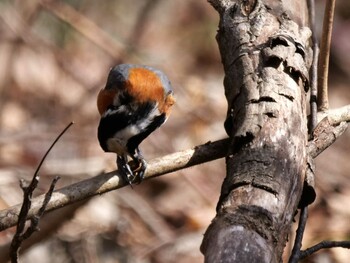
<point x="322" y="97"/>
<point x="265" y="51"/>
<point x="313" y="71"/>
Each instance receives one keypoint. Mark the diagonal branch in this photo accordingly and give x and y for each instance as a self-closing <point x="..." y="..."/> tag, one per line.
<point x="170" y="163"/>
<point x="325" y="134"/>
<point x="110" y="181"/>
<point x="324" y="244"/>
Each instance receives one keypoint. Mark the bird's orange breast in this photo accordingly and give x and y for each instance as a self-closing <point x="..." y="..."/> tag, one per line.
<point x="104" y="99"/>
<point x="144" y="85"/>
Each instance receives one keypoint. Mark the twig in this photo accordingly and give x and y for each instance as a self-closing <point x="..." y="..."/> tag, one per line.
<point x="323" y="67"/>
<point x="324" y="244"/>
<point x="20" y="234"/>
<point x="53" y="221"/>
<point x="35" y="219"/>
<point x="313" y="72"/>
<point x="52" y="145"/>
<point x="299" y="236"/>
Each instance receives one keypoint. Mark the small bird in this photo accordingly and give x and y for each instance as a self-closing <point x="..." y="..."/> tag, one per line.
<point x="136" y="100"/>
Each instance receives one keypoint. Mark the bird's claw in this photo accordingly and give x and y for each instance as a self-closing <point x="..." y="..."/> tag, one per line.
<point x="132" y="175"/>
<point x="125" y="170"/>
<point x="139" y="171"/>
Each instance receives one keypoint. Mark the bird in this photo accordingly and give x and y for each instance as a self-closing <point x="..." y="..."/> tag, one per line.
<point x="136" y="100"/>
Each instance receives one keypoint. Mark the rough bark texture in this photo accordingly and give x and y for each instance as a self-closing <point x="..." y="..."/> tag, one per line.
<point x="265" y="52"/>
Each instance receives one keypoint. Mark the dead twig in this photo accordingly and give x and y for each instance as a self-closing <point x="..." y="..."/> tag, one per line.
<point x="324" y="244"/>
<point x="294" y="258"/>
<point x="22" y="234"/>
<point x="53" y="221"/>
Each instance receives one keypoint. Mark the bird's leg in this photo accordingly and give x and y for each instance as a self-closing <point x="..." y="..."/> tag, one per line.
<point x="124" y="169"/>
<point x="142" y="165"/>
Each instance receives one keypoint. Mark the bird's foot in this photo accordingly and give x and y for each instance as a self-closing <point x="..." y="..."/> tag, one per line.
<point x="139" y="170"/>
<point x="133" y="173"/>
<point x="125" y="170"/>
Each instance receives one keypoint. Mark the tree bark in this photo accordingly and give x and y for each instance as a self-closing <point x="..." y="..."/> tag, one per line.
<point x="265" y="52"/>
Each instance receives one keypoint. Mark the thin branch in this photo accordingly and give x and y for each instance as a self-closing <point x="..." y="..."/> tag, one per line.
<point x="200" y="154"/>
<point x="294" y="258"/>
<point x="325" y="134"/>
<point x="49" y="225"/>
<point x="324" y="244"/>
<point x="20" y="234"/>
<point x="110" y="181"/>
<point x="36" y="218"/>
<point x="323" y="67"/>
<point x="313" y="72"/>
<point x="50" y="148"/>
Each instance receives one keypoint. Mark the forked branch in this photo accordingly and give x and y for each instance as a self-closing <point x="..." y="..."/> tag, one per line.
<point x="22" y="234"/>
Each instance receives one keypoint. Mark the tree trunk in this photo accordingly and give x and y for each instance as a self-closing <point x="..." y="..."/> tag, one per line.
<point x="266" y="55"/>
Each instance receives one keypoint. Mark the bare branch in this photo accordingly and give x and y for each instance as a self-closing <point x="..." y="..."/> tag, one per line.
<point x="313" y="71"/>
<point x="324" y="136"/>
<point x="110" y="181"/>
<point x="49" y="224"/>
<point x="323" y="104"/>
<point x="294" y="258"/>
<point x="36" y="218"/>
<point x="20" y="234"/>
<point x="324" y="244"/>
<point x="16" y="243"/>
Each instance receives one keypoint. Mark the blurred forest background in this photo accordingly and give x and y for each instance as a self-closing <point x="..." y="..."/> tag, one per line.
<point x="54" y="58"/>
